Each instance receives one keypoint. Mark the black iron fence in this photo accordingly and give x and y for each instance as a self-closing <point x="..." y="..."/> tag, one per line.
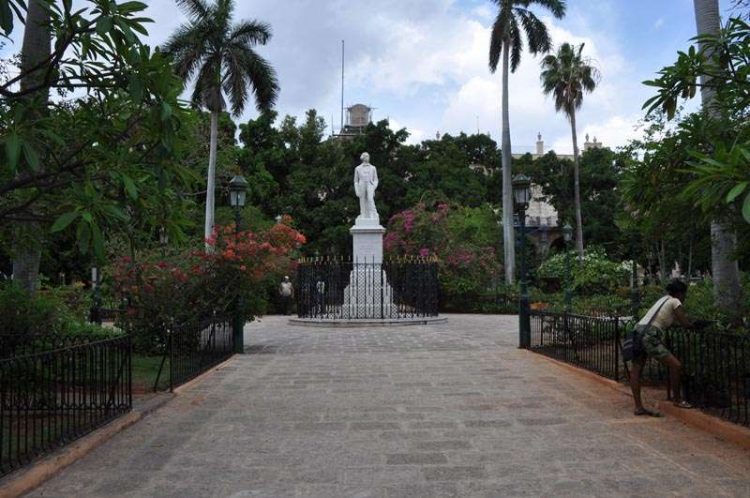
<point x="193" y="348"/>
<point x="591" y="343"/>
<point x="338" y="289"/>
<point x="50" y="398"/>
<point x="717" y="371"/>
<point x="716" y="366"/>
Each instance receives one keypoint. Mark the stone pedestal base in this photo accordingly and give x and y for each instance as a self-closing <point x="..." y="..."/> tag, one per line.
<point x="367" y="241"/>
<point x="368" y="294"/>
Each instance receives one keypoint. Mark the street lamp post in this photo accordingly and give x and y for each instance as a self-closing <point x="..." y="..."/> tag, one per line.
<point x="237" y="196"/>
<point x="568" y="236"/>
<point x="521" y="196"/>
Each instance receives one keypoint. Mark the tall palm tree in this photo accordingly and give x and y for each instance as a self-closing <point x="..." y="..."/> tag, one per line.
<point x="220" y="55"/>
<point x="567" y="75"/>
<point x="726" y="272"/>
<point x="513" y="18"/>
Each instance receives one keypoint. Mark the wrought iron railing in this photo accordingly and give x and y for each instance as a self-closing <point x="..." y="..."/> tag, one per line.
<point x="340" y="290"/>
<point x="193" y="348"/>
<point x="48" y="399"/>
<point x="717" y="371"/>
<point x="591" y="343"/>
<point x="716" y="366"/>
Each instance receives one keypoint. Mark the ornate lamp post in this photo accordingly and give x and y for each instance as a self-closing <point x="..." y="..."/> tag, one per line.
<point x="568" y="236"/>
<point x="237" y="196"/>
<point x="521" y="197"/>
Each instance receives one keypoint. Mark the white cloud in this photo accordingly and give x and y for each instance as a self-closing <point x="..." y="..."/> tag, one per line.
<point x="659" y="23"/>
<point x="423" y="64"/>
<point x="612" y="132"/>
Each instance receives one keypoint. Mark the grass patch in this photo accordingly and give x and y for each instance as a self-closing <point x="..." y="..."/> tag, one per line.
<point x="145" y="370"/>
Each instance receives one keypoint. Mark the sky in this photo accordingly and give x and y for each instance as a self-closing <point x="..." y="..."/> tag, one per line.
<point x="423" y="64"/>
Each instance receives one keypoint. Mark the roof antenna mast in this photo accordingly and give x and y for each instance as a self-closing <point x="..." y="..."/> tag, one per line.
<point x="342" y="85"/>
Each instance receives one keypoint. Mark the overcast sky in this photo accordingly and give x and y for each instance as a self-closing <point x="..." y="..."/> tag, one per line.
<point x="423" y="63"/>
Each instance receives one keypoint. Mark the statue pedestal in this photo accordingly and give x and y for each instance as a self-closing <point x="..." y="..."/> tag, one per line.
<point x="368" y="295"/>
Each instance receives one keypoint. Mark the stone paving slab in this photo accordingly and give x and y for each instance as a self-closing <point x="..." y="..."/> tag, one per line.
<point x="444" y="410"/>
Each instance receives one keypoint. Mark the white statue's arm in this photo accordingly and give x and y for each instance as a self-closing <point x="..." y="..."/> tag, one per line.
<point x="375" y="177"/>
<point x="356" y="182"/>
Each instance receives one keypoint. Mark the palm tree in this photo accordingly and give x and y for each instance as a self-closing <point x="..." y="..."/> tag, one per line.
<point x="514" y="17"/>
<point x="726" y="272"/>
<point x="567" y="76"/>
<point x="220" y="55"/>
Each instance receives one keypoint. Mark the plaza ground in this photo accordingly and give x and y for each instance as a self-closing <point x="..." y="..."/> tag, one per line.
<point x="436" y="411"/>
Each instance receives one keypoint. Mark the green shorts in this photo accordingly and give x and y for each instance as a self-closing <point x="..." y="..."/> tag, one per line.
<point x="652" y="342"/>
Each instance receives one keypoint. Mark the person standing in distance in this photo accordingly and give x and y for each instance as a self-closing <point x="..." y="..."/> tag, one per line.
<point x="286" y="291"/>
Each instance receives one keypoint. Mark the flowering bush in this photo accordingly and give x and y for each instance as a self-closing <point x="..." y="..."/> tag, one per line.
<point x="162" y="292"/>
<point x="465" y="241"/>
<point x="597" y="275"/>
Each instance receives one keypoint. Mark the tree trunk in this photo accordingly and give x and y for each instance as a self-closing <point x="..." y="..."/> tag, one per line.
<point x="509" y="242"/>
<point x="29" y="236"/>
<point x="577" y="187"/>
<point x="726" y="271"/>
<point x="211" y="183"/>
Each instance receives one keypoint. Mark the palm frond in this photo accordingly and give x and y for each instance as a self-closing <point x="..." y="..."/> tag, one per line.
<point x="250" y="32"/>
<point x="516" y="45"/>
<point x="234" y="81"/>
<point x="499" y="35"/>
<point x="186" y="47"/>
<point x="198" y="9"/>
<point x="557" y="7"/>
<point x="535" y="30"/>
<point x="207" y="91"/>
<point x="260" y="75"/>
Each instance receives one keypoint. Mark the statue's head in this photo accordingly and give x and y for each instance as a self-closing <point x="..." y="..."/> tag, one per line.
<point x="365" y="157"/>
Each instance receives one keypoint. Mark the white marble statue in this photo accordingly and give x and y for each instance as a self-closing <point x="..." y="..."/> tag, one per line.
<point x="365" y="183"/>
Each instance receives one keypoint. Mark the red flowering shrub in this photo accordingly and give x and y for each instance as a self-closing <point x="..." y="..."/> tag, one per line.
<point x="465" y="241"/>
<point x="193" y="284"/>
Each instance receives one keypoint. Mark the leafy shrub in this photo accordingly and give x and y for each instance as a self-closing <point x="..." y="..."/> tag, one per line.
<point x="26" y="314"/>
<point x="44" y="313"/>
<point x="162" y="292"/>
<point x="465" y="241"/>
<point x="596" y="276"/>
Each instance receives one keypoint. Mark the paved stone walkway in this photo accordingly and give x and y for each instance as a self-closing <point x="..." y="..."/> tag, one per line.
<point x="433" y="411"/>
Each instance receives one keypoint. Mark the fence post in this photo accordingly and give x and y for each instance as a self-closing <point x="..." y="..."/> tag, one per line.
<point x="617" y="348"/>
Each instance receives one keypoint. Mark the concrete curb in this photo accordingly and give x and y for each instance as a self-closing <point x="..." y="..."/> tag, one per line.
<point x="364" y="322"/>
<point x="198" y="379"/>
<point x="726" y="431"/>
<point x="25" y="480"/>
